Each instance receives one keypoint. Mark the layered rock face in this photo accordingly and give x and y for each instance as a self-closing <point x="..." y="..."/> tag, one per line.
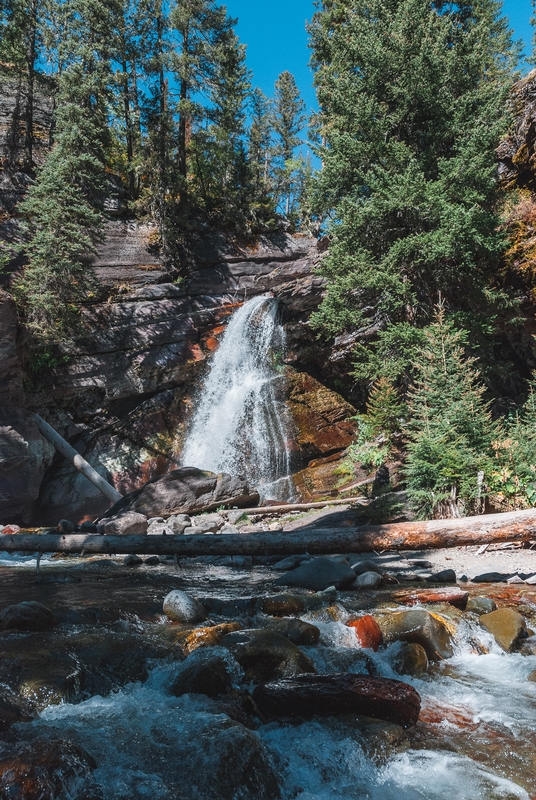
<point x="122" y="392"/>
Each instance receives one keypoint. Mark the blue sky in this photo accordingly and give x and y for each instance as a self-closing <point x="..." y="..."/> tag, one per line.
<point x="274" y="31"/>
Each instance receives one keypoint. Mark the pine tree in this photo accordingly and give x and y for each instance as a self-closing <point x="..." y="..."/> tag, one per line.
<point x="65" y="204"/>
<point x="451" y="430"/>
<point x="412" y="100"/>
<point x="288" y="120"/>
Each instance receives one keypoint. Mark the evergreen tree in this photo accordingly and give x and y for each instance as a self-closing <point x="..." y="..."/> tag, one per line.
<point x="413" y="104"/>
<point x="451" y="430"/>
<point x="288" y="120"/>
<point x="260" y="141"/>
<point x="380" y="429"/>
<point x="65" y="204"/>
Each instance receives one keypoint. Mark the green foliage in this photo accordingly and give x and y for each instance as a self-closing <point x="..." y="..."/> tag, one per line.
<point x="413" y="105"/>
<point x="288" y="120"/>
<point x="380" y="428"/>
<point x="450" y="430"/>
<point x="513" y="481"/>
<point x="64" y="206"/>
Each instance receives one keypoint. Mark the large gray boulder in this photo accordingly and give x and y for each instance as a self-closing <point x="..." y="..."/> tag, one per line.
<point x="186" y="491"/>
<point x="318" y="574"/>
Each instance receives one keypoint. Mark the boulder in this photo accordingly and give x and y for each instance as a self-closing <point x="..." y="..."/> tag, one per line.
<point x="318" y="574"/>
<point x="367" y="580"/>
<point x="411" y="659"/>
<point x="206" y="671"/>
<point x="421" y="627"/>
<point x="506" y="625"/>
<point x="45" y="770"/>
<point x="481" y="605"/>
<point x="186" y="490"/>
<point x="180" y="607"/>
<point x="66" y="526"/>
<point x="291" y="562"/>
<point x="299" y="632"/>
<point x="265" y="655"/>
<point x="367" y="631"/>
<point x="532" y="676"/>
<point x="126" y="523"/>
<point x="327" y="695"/>
<point x="27" y="616"/>
<point x="283" y="605"/>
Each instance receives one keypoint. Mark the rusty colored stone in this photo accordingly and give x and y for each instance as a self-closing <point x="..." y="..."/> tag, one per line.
<point x="367" y="630"/>
<point x="326" y="695"/>
<point x="454" y="597"/>
<point x="189" y="640"/>
<point x="283" y="605"/>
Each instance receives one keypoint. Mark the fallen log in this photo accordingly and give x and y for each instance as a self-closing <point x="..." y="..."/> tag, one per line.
<point x="514" y="526"/>
<point x="77" y="460"/>
<point x="282" y="509"/>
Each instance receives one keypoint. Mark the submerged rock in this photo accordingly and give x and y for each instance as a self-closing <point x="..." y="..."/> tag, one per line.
<point x="318" y="574"/>
<point x="283" y="605"/>
<point x="506" y="625"/>
<point x="454" y="597"/>
<point x="299" y="632"/>
<point x="411" y="659"/>
<point x="367" y="631"/>
<point x="209" y="672"/>
<point x="13" y="708"/>
<point x="180" y="607"/>
<point x="265" y="655"/>
<point x="421" y="627"/>
<point x="27" y="616"/>
<point x="46" y="770"/>
<point x="320" y="695"/>
<point x="186" y="490"/>
<point x="204" y="637"/>
<point x="481" y="605"/>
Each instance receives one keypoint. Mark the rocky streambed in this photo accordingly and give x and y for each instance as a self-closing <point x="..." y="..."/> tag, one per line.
<point x="244" y="688"/>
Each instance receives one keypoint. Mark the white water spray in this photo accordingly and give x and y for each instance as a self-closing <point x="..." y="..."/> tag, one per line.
<point x="241" y="423"/>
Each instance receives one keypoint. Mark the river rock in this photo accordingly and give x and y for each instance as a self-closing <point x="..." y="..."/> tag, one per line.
<point x="444" y="576"/>
<point x="327" y="695"/>
<point x="189" y="640"/>
<point x="27" y="616"/>
<point x="126" y="523"/>
<point x="491" y="577"/>
<point x="301" y="633"/>
<point x="66" y="526"/>
<point x="411" y="659"/>
<point x="506" y="625"/>
<point x="532" y="676"/>
<point x="367" y="580"/>
<point x="481" y="605"/>
<point x="291" y="562"/>
<point x="186" y="490"/>
<point x="367" y="631"/>
<point x="421" y="627"/>
<point x="283" y="605"/>
<point x="152" y="561"/>
<point x="360" y="567"/>
<point x="132" y="560"/>
<point x="45" y="770"/>
<point x="180" y="607"/>
<point x="206" y="671"/>
<point x="318" y="574"/>
<point x="13" y="708"/>
<point x="454" y="597"/>
<point x="266" y="655"/>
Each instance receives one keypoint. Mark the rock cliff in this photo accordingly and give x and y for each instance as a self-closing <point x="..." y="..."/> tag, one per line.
<point x="122" y="391"/>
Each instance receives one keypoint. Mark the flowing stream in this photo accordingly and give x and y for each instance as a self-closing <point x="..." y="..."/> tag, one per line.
<point x="240" y="423"/>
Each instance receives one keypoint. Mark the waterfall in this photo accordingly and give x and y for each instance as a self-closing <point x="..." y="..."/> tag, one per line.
<point x="241" y="424"/>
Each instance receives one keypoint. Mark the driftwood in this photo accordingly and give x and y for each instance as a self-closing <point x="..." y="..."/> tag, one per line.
<point x="514" y="526"/>
<point x="282" y="509"/>
<point x="77" y="460"/>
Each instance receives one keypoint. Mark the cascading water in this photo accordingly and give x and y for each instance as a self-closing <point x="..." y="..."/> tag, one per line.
<point x="241" y="423"/>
